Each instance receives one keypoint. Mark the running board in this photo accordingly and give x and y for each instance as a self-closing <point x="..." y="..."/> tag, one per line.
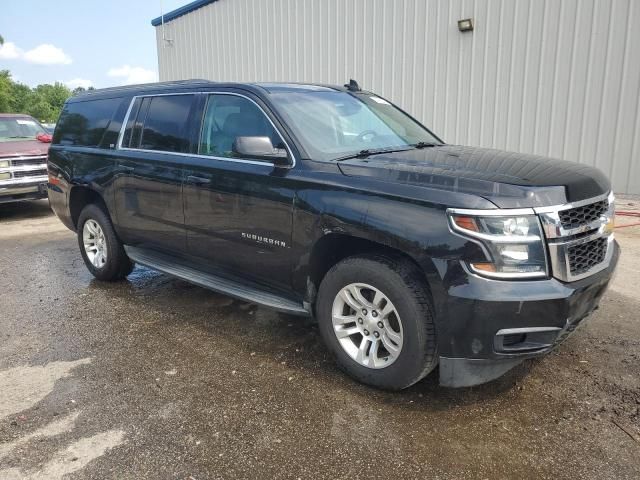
<point x="233" y="288"/>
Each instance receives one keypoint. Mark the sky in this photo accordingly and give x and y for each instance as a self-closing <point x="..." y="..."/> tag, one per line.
<point x="81" y="43"/>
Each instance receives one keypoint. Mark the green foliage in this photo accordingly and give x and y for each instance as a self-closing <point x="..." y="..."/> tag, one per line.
<point x="79" y="90"/>
<point x="43" y="102"/>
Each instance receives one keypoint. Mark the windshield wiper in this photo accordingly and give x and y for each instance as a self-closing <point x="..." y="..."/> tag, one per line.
<point x="368" y="152"/>
<point x="425" y="144"/>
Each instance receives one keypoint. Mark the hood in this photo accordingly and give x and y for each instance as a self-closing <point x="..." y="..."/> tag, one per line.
<point x="23" y="148"/>
<point x="507" y="179"/>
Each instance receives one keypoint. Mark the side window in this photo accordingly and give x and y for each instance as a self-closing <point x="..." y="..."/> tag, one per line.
<point x="84" y="123"/>
<point x="227" y="117"/>
<point x="159" y="123"/>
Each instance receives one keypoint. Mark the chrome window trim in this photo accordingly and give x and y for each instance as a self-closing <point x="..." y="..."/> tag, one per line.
<point x="123" y="127"/>
<point x="199" y="155"/>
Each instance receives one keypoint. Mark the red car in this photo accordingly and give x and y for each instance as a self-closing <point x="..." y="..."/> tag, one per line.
<point x="23" y="158"/>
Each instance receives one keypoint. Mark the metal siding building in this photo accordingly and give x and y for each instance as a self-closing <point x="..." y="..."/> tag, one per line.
<point x="552" y="77"/>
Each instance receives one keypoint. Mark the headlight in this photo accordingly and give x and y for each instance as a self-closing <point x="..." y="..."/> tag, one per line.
<point x="513" y="243"/>
<point x="4" y="163"/>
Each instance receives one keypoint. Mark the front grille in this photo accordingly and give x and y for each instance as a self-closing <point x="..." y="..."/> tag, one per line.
<point x="584" y="256"/>
<point x="579" y="237"/>
<point x="21" y="162"/>
<point x="578" y="216"/>
<point x="30" y="173"/>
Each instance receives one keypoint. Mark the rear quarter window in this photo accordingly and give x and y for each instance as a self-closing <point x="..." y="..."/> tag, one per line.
<point x="84" y="123"/>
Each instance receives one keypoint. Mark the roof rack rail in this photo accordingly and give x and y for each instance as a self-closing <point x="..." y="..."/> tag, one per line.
<point x="160" y="85"/>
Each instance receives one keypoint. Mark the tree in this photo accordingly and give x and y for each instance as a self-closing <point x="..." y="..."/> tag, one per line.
<point x="6" y="96"/>
<point x="1" y="40"/>
<point x="79" y="90"/>
<point x="41" y="110"/>
<point x="20" y="97"/>
<point x="43" y="102"/>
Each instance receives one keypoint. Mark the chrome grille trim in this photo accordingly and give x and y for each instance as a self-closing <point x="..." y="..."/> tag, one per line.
<point x="23" y="168"/>
<point x="578" y="216"/>
<point x="560" y="239"/>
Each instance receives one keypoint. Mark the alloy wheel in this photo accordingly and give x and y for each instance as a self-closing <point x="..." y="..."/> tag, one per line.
<point x="367" y="325"/>
<point x="95" y="243"/>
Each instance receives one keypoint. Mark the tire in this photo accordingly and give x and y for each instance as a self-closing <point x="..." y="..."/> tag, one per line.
<point x="399" y="283"/>
<point x="117" y="264"/>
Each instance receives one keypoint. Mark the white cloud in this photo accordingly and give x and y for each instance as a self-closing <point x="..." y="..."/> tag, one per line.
<point x="129" y="75"/>
<point x="47" y="54"/>
<point x="9" y="51"/>
<point x="78" y="82"/>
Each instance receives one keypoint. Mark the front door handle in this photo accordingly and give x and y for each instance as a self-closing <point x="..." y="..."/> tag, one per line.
<point x="198" y="180"/>
<point x="127" y="168"/>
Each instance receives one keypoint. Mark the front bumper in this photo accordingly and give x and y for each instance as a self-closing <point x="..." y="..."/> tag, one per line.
<point x="30" y="188"/>
<point x="488" y="327"/>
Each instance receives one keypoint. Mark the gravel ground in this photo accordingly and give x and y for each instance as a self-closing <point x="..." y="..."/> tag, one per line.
<point x="156" y="378"/>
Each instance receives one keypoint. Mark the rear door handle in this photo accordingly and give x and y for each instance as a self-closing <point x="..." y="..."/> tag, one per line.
<point x="198" y="180"/>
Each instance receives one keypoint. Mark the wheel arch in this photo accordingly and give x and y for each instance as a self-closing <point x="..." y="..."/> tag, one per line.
<point x="334" y="247"/>
<point x="79" y="197"/>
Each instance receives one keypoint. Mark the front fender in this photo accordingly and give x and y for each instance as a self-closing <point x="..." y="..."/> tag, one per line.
<point x="417" y="229"/>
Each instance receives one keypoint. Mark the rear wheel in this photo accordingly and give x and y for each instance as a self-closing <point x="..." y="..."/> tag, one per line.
<point x="376" y="318"/>
<point x="101" y="249"/>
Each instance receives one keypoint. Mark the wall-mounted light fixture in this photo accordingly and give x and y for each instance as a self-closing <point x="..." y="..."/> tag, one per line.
<point x="465" y="25"/>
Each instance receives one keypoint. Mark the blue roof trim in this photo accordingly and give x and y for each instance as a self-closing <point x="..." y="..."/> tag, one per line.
<point x="178" y="12"/>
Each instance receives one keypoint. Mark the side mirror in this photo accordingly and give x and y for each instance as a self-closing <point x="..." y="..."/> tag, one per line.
<point x="44" y="137"/>
<point x="260" y="147"/>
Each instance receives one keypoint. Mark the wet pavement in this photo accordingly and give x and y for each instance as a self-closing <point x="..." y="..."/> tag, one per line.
<point x="156" y="378"/>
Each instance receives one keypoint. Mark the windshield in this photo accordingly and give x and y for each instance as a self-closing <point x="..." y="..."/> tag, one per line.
<point x="332" y="124"/>
<point x="19" y="128"/>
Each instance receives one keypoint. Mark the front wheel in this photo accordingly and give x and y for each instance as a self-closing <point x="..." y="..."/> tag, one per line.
<point x="375" y="316"/>
<point x="101" y="249"/>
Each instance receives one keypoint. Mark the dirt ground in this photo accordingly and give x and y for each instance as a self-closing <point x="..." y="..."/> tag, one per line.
<point x="155" y="378"/>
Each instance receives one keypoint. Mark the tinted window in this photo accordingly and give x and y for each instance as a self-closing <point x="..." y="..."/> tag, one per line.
<point x="165" y="123"/>
<point x="229" y="116"/>
<point x="84" y="123"/>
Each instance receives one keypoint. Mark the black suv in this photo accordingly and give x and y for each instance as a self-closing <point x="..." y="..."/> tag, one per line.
<point x="332" y="202"/>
